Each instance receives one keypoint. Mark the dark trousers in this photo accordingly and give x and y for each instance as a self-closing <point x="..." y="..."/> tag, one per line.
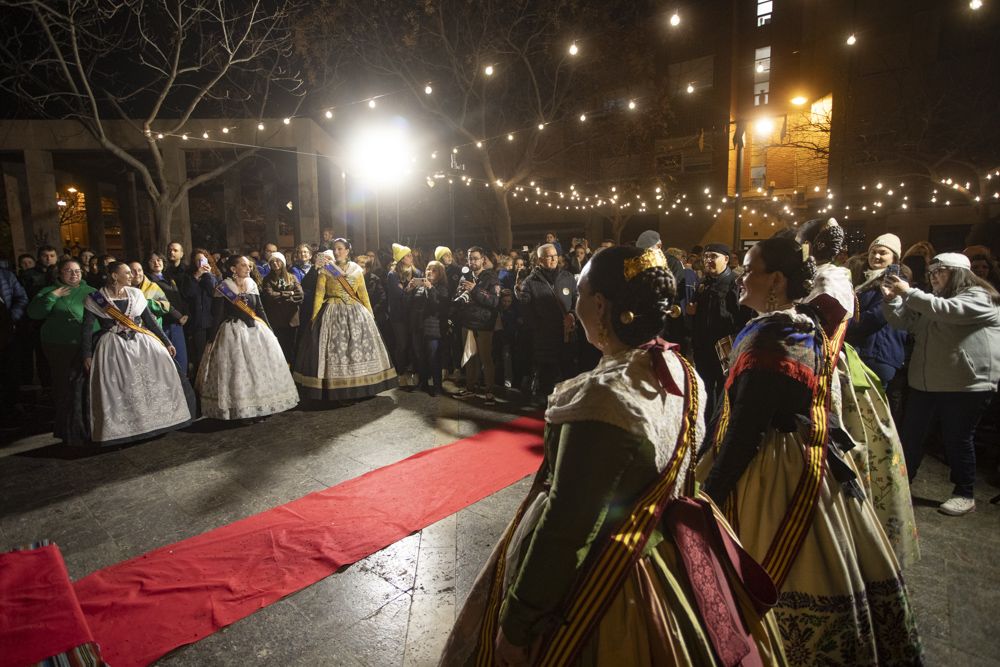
<point x="884" y="372"/>
<point x="549" y="368"/>
<point x="959" y="413"/>
<point x="403" y="351"/>
<point x="9" y="379"/>
<point x="197" y="341"/>
<point x="430" y="362"/>
<point x="706" y="362"/>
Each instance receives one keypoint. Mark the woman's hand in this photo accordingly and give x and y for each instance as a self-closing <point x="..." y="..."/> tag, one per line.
<point x="87" y="363"/>
<point x="60" y="292"/>
<point x="183" y="320"/>
<point x="894" y="286"/>
<point x="172" y="350"/>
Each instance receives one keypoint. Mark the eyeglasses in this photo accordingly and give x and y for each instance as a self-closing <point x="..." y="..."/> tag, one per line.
<point x="73" y="272"/>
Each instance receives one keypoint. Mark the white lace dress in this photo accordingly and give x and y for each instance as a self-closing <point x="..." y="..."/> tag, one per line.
<point x="243" y="374"/>
<point x="135" y="388"/>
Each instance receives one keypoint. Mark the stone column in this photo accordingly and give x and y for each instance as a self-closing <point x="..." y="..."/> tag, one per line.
<point x="231" y="196"/>
<point x="44" y="214"/>
<point x="175" y="169"/>
<point x="20" y="228"/>
<point x="307" y="219"/>
<point x="128" y="211"/>
<point x="91" y="189"/>
<point x="271" y="211"/>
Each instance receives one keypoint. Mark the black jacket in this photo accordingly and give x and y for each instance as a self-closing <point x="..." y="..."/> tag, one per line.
<point x="223" y="310"/>
<point x="544" y="305"/>
<point x="480" y="313"/>
<point x="430" y="310"/>
<point x="719" y="313"/>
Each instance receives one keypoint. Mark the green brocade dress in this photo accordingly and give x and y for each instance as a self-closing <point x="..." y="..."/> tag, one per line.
<point x="608" y="434"/>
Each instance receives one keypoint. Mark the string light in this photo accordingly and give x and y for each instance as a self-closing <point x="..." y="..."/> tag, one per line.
<point x="225" y="130"/>
<point x="510" y="137"/>
<point x="852" y="40"/>
<point x="260" y="127"/>
<point x="690" y="88"/>
<point x="573" y="49"/>
<point x="428" y="90"/>
<point x="583" y="117"/>
<point x="371" y="104"/>
<point x="488" y="70"/>
<point x="479" y="144"/>
<point x="631" y="105"/>
<point x="975" y="5"/>
<point x="204" y="135"/>
<point x="675" y="20"/>
<point x="287" y="121"/>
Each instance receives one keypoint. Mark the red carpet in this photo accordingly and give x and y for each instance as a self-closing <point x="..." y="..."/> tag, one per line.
<point x="141" y="609"/>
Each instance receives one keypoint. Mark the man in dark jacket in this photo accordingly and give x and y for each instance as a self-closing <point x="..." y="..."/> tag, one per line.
<point x="547" y="297"/>
<point x="478" y="315"/>
<point x="717" y="315"/>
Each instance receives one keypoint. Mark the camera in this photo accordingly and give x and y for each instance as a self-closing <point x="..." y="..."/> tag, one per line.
<point x="464" y="296"/>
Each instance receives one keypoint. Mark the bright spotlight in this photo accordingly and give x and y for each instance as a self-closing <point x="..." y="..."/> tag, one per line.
<point x="975" y="4"/>
<point x="799" y="100"/>
<point x="764" y="127"/>
<point x="380" y="155"/>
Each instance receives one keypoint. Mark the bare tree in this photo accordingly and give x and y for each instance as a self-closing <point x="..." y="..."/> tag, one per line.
<point x="495" y="69"/>
<point x="153" y="64"/>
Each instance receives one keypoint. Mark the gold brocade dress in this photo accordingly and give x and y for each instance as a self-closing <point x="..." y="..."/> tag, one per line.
<point x="341" y="355"/>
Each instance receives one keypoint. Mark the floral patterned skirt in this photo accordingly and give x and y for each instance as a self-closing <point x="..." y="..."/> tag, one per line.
<point x="878" y="456"/>
<point x="341" y="355"/>
<point x="843" y="602"/>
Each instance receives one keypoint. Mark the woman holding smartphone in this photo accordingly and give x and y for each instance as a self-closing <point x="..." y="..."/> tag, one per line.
<point x="198" y="293"/>
<point x="430" y="318"/>
<point x="879" y="345"/>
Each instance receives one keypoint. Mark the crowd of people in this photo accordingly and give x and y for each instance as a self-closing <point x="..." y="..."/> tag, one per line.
<point x="776" y="383"/>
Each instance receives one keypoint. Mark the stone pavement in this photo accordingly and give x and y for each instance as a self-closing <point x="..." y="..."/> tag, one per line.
<point x="396" y="606"/>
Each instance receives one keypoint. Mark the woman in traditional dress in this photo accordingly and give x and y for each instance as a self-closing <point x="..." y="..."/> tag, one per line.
<point x="136" y="389"/>
<point x="243" y="374"/>
<point x="794" y="501"/>
<point x="860" y="406"/>
<point x="565" y="585"/>
<point x="61" y="306"/>
<point x="342" y="356"/>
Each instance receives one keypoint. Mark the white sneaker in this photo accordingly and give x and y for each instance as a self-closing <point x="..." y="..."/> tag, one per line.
<point x="957" y="506"/>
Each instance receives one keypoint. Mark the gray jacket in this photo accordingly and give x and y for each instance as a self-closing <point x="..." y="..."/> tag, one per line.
<point x="957" y="344"/>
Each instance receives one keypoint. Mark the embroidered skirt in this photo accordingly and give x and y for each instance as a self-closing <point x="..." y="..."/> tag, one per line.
<point x="136" y="390"/>
<point x="843" y="601"/>
<point x="652" y="618"/>
<point x="341" y="355"/>
<point x="879" y="459"/>
<point x="243" y="374"/>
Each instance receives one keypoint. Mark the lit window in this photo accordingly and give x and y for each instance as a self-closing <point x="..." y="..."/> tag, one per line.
<point x="758" y="176"/>
<point x="764" y="9"/>
<point x="761" y="75"/>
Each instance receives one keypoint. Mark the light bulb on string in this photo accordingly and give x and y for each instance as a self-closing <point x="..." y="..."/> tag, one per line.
<point x="631" y="105"/>
<point x="541" y="126"/>
<point x="159" y="135"/>
<point x="371" y="104"/>
<point x="428" y="90"/>
<point x="204" y="135"/>
<point x="328" y="114"/>
<point x="852" y="40"/>
<point x="510" y="137"/>
<point x="225" y="130"/>
<point x="574" y="49"/>
<point x="583" y="117"/>
<point x="287" y="121"/>
<point x="488" y="70"/>
<point x="479" y="144"/>
<point x="675" y="19"/>
<point x="690" y="88"/>
<point x="260" y="127"/>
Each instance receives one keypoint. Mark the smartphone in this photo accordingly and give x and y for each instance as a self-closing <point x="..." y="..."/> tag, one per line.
<point x="202" y="262"/>
<point x="891" y="270"/>
<point x="524" y="248"/>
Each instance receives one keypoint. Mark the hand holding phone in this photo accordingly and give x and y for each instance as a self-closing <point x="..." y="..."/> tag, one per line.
<point x="891" y="271"/>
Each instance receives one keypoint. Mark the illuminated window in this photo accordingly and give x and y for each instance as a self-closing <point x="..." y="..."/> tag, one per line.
<point x="764" y="9"/>
<point x="761" y="75"/>
<point x="758" y="176"/>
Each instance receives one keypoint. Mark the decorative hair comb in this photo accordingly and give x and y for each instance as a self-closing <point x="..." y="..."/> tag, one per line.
<point x="652" y="258"/>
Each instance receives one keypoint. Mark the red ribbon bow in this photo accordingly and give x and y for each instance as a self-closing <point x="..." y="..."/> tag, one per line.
<point x="656" y="348"/>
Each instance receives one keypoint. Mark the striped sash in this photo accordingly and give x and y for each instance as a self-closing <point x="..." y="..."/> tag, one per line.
<point x="794" y="526"/>
<point x="344" y="282"/>
<point x="111" y="310"/>
<point x="597" y="586"/>
<point x="233" y="298"/>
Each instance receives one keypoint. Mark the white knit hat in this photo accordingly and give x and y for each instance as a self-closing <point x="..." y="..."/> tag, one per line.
<point x="890" y="241"/>
<point x="950" y="260"/>
<point x="278" y="255"/>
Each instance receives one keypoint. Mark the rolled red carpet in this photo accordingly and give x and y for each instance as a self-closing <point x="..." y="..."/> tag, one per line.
<point x="141" y="609"/>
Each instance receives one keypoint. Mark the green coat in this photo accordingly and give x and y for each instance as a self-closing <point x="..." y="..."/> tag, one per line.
<point x="63" y="316"/>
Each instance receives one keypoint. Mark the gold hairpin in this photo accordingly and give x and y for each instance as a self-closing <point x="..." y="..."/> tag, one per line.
<point x="805" y="251"/>
<point x="652" y="258"/>
<point x="627" y="317"/>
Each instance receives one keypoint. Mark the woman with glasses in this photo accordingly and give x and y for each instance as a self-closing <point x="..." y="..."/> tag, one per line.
<point x="955" y="366"/>
<point x="61" y="307"/>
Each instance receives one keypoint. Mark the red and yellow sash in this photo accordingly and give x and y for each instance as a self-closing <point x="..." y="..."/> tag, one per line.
<point x="598" y="584"/>
<point x="233" y="298"/>
<point x="111" y="310"/>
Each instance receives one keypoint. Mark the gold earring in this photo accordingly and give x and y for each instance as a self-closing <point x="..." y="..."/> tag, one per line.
<point x="772" y="301"/>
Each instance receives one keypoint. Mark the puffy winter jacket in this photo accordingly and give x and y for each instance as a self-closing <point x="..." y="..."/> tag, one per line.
<point x="874" y="339"/>
<point x="480" y="313"/>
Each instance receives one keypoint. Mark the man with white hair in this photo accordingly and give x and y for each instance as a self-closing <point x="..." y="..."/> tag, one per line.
<point x="548" y="297"/>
